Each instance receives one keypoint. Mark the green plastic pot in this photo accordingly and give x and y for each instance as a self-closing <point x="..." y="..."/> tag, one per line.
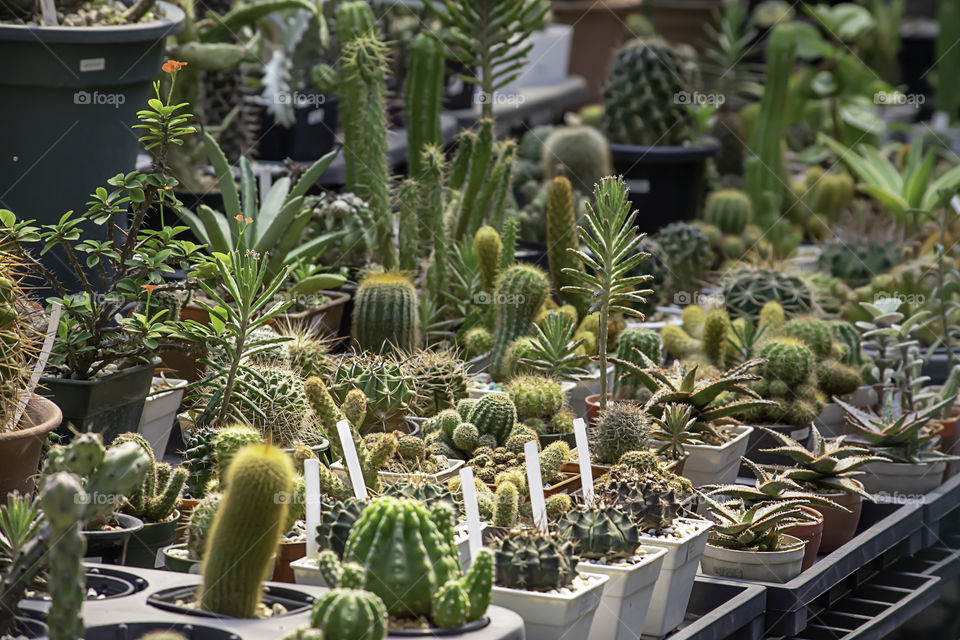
<point x="109" y="406"/>
<point x="143" y="549"/>
<point x="180" y="565"/>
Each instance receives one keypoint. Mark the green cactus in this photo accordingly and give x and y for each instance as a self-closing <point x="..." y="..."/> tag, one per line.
<point x="450" y="606"/>
<point x="323" y="406"/>
<point x="746" y="291"/>
<point x="642" y="460"/>
<point x="634" y="341"/>
<point x="520" y="350"/>
<point x="272" y="400"/>
<point x="465" y="437"/>
<point x="510" y="230"/>
<point x="494" y="414"/>
<point x="622" y="427"/>
<point x="534" y="561"/>
<point x="62" y="505"/>
<point x="772" y="318"/>
<point x="716" y="334"/>
<point x="837" y="379"/>
<point x="678" y="343"/>
<point x="536" y="396"/>
<point x="200" y="524"/>
<point x="813" y="332"/>
<point x="562" y="239"/>
<point x="578" y="153"/>
<point x="830" y="195"/>
<point x="730" y="210"/>
<point x="552" y="459"/>
<point x="788" y="360"/>
<point x="520" y="292"/>
<point x="650" y="499"/>
<point x="199" y="459"/>
<point x="464" y="409"/>
<point x="688" y="251"/>
<point x="386" y="313"/>
<point x="19" y="343"/>
<point x="639" y="97"/>
<point x="480" y="157"/>
<point x="423" y="98"/>
<point x="350" y="614"/>
<point x="557" y="505"/>
<point x="488" y="245"/>
<point x="227" y="442"/>
<point x="476" y="341"/>
<point x="601" y="532"/>
<point x="506" y="508"/>
<point x="847" y="334"/>
<point x="336" y="522"/>
<point x="240" y="549"/>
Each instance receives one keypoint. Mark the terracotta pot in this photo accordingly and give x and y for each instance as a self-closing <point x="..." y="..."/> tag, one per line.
<point x="811" y="534"/>
<point x="187" y="505"/>
<point x="184" y="362"/>
<point x="323" y="320"/>
<point x="839" y="527"/>
<point x="599" y="29"/>
<point x="287" y="553"/>
<point x="593" y="407"/>
<point x="948" y="440"/>
<point x="20" y="449"/>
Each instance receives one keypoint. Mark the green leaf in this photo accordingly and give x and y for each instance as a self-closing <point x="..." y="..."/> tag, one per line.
<point x="228" y="188"/>
<point x="224" y="28"/>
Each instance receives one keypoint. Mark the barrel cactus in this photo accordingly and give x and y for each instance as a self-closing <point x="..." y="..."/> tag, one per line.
<point x="535" y="561"/>
<point x="350" y="614"/>
<point x="521" y="291"/>
<point x="788" y="360"/>
<point x="494" y="414"/>
<point x="579" y="153"/>
<point x="688" y="251"/>
<point x="386" y="313"/>
<point x="601" y="532"/>
<point x="729" y="209"/>
<point x="746" y="291"/>
<point x="620" y="428"/>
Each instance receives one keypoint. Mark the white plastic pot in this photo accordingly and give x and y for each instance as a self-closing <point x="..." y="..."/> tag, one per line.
<point x="902" y="478"/>
<point x="627" y="595"/>
<point x="709" y="464"/>
<point x="305" y="571"/>
<point x="389" y="478"/>
<point x="554" y="616"/>
<point x="768" y="566"/>
<point x="671" y="593"/>
<point x="159" y="412"/>
<point x="546" y="62"/>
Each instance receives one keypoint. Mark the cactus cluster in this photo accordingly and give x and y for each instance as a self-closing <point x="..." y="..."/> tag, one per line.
<point x="650" y="499"/>
<point x="856" y="262"/>
<point x="541" y="404"/>
<point x="157" y="497"/>
<point x="388" y="389"/>
<point x="386" y="313"/>
<point x="439" y="379"/>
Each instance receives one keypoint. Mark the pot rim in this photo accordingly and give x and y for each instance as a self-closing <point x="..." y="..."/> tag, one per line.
<point x="39" y="430"/>
<point x="798" y="545"/>
<point x="597" y="580"/>
<point x="131" y="370"/>
<point x="652" y="554"/>
<point x="170" y="24"/>
<point x="674" y="154"/>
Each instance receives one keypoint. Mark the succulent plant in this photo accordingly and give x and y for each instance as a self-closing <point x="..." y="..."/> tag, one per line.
<point x="272" y="401"/>
<point x="813" y="332"/>
<point x="580" y="153"/>
<point x="856" y="262"/>
<point x="521" y="291"/>
<point x="200" y="523"/>
<point x="336" y="522"/>
<point x="534" y="561"/>
<point x="620" y="428"/>
<point x="688" y="251"/>
<point x="555" y="350"/>
<point x="536" y="396"/>
<point x="770" y="485"/>
<point x="897" y="434"/>
<point x="729" y="209"/>
<point x="439" y="380"/>
<point x="650" y="499"/>
<point x="746" y="291"/>
<point x="350" y="614"/>
<point x="157" y="497"/>
<point x="755" y="527"/>
<point x="476" y="341"/>
<point x="382" y="380"/>
<point x="601" y="532"/>
<point x="495" y="415"/>
<point x="632" y="343"/>
<point x="19" y="341"/>
<point x="199" y="460"/>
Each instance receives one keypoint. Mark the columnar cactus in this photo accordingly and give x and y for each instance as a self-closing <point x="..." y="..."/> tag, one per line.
<point x="386" y="313"/>
<point x="424" y="98"/>
<point x="562" y="237"/>
<point x="488" y="245"/>
<point x="18" y="342"/>
<point x="324" y="407"/>
<point x="158" y="495"/>
<point x="716" y="333"/>
<point x="62" y="504"/>
<point x="730" y="210"/>
<point x="520" y="293"/>
<point x="227" y="442"/>
<point x="240" y="550"/>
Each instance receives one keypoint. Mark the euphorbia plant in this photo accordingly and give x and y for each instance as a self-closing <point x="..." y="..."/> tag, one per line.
<point x="122" y="269"/>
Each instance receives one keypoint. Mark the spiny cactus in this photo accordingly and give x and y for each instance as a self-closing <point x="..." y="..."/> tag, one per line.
<point x="747" y="290"/>
<point x="494" y="414"/>
<point x="439" y="378"/>
<point x="19" y="342"/>
<point x="519" y="295"/>
<point x="689" y="255"/>
<point x="336" y="522"/>
<point x="536" y="396"/>
<point x="837" y="379"/>
<point x="507" y="505"/>
<point x="246" y="530"/>
<point x="386" y="313"/>
<point x="578" y="153"/>
<point x="200" y="524"/>
<point x="227" y="442"/>
<point x="831" y="194"/>
<point x="729" y="209"/>
<point x="562" y="237"/>
<point x="813" y="332"/>
<point x="601" y="532"/>
<point x="424" y="98"/>
<point x="489" y="246"/>
<point x="716" y="336"/>
<point x="272" y="401"/>
<point x="788" y="360"/>
<point x="534" y="561"/>
<point x="157" y="497"/>
<point x="476" y="341"/>
<point x="61" y="499"/>
<point x="620" y="428"/>
<point x="650" y="499"/>
<point x="350" y="614"/>
<point x="678" y="343"/>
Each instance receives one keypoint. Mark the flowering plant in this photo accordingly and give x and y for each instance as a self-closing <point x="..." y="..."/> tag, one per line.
<point x="116" y="262"/>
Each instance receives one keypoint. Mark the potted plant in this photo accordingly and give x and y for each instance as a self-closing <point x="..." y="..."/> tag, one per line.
<point x="748" y="542"/>
<point x="23" y="425"/>
<point x="541" y="405"/>
<point x="185" y="557"/>
<point x="537" y="576"/>
<point x="609" y="544"/>
<point x="653" y="500"/>
<point x="829" y="468"/>
<point x="160" y="411"/>
<point x="101" y="367"/>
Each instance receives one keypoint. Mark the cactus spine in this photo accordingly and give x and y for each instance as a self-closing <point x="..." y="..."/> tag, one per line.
<point x="562" y="240"/>
<point x="63" y="509"/>
<point x="520" y="292"/>
<point x="386" y="313"/>
<point x="246" y="531"/>
<point x="423" y="98"/>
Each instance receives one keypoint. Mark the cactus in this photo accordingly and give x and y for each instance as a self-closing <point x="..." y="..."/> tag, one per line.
<point x="655" y="265"/>
<point x="510" y="230"/>
<point x="488" y="245"/>
<point x="856" y="262"/>
<point x="336" y="522"/>
<point x="231" y="439"/>
<point x="846" y="334"/>
<point x="772" y="318"/>
<point x="730" y="210"/>
<point x="272" y="401"/>
<point x="382" y="379"/>
<point x="200" y="524"/>
<point x="837" y="379"/>
<point x="506" y="508"/>
<point x="788" y="360"/>
<point x="688" y="251"/>
<point x="678" y="343"/>
<point x="620" y="428"/>
<point x="479" y="159"/>
<point x="62" y="505"/>
<point x="579" y="153"/>
<point x="601" y="532"/>
<point x="19" y="343"/>
<point x="199" y="459"/>
<point x="830" y="195"/>
<point x="536" y="396"/>
<point x="520" y="351"/>
<point x="520" y="292"/>
<point x="746" y="291"/>
<point x="246" y="530"/>
<point x="157" y="497"/>
<point x="639" y="97"/>
<point x="557" y="505"/>
<point x="307" y="355"/>
<point x="716" y="333"/>
<point x="552" y="459"/>
<point x="465" y="437"/>
<point x="476" y="341"/>
<point x="641" y="460"/>
<point x="450" y="606"/>
<point x="350" y="614"/>
<point x="324" y="407"/>
<point x="423" y="98"/>
<point x="494" y="414"/>
<point x="813" y="332"/>
<point x="650" y="499"/>
<point x="534" y="561"/>
<point x="562" y="238"/>
<point x="440" y="380"/>
<point x="386" y="313"/>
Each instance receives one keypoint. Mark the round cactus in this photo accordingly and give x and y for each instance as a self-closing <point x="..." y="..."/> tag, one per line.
<point x="601" y="532"/>
<point x="534" y="561"/>
<point x="813" y="332"/>
<point x="688" y="250"/>
<point x="620" y="428"/>
<point x="465" y="437"/>
<point x="476" y="341"/>
<point x="350" y="614"/>
<point x="523" y="348"/>
<point x="788" y="360"/>
<point x="729" y="209"/>
<point x="411" y="448"/>
<point x="336" y="522"/>
<point x="451" y="606"/>
<point x="837" y="379"/>
<point x="536" y="395"/>
<point x="579" y="153"/>
<point x="494" y="415"/>
<point x="747" y="290"/>
<point x="228" y="441"/>
<point x="464" y="409"/>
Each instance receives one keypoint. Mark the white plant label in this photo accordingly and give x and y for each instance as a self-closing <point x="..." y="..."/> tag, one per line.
<point x="955" y="203"/>
<point x="48" y="10"/>
<point x="52" y="323"/>
<point x="311" y="477"/>
<point x="535" y="480"/>
<point x="583" y="454"/>
<point x="92" y="64"/>
<point x="352" y="461"/>
<point x="470" y="507"/>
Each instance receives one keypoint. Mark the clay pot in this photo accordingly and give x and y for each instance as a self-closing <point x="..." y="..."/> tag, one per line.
<point x="839" y="527"/>
<point x="593" y="407"/>
<point x="20" y="449"/>
<point x="811" y="534"/>
<point x="948" y="440"/>
<point x="287" y="552"/>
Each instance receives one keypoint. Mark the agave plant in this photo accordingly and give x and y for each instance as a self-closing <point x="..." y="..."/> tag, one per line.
<point x="554" y="349"/>
<point x="831" y="466"/>
<point x="19" y="521"/>
<point x="676" y="428"/>
<point x="752" y="527"/>
<point x="897" y="434"/>
<point x="770" y="485"/>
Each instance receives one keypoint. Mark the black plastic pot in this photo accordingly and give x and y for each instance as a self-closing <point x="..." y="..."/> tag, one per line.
<point x="937" y="367"/>
<point x="70" y="95"/>
<point x="109" y="406"/>
<point x="312" y="135"/>
<point x="457" y="94"/>
<point x="180" y="565"/>
<point x="135" y="630"/>
<point x="666" y="183"/>
<point x="146" y="545"/>
<point x="436" y="632"/>
<point x="29" y="628"/>
<point x="294" y="601"/>
<point x="115" y="583"/>
<point x="534" y="253"/>
<point x="110" y="547"/>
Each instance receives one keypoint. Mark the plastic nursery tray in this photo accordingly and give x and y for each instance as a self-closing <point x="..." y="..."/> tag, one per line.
<point x="940" y="504"/>
<point x="134" y="610"/>
<point x="722" y="609"/>
<point x="886" y="533"/>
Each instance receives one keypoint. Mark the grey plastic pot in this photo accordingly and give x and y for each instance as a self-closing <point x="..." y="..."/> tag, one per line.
<point x="70" y="95"/>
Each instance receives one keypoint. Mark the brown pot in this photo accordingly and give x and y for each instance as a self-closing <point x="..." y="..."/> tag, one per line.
<point x="20" y="449"/>
<point x="593" y="407"/>
<point x="948" y="440"/>
<point x="287" y="553"/>
<point x="838" y="526"/>
<point x="811" y="534"/>
<point x="685" y="21"/>
<point x="321" y="320"/>
<point x="184" y="362"/>
<point x="599" y="29"/>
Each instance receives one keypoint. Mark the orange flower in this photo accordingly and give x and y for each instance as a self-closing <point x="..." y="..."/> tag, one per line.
<point x="149" y="287"/>
<point x="172" y="66"/>
<point x="238" y="217"/>
<point x="249" y="220"/>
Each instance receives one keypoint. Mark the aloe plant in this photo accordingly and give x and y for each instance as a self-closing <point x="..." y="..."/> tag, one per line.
<point x="830" y="466"/>
<point x="752" y="527"/>
<point x="770" y="485"/>
<point x="676" y="428"/>
<point x="897" y="434"/>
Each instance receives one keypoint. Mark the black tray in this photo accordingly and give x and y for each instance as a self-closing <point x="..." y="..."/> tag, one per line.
<point x="721" y="609"/>
<point x="293" y="601"/>
<point x="135" y="630"/>
<point x="940" y="504"/>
